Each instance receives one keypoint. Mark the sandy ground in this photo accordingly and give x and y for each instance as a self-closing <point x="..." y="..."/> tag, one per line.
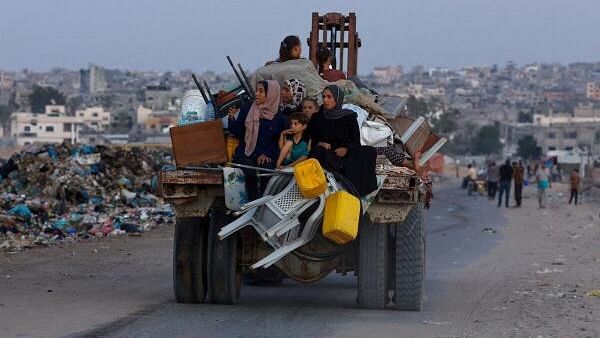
<point x="555" y="255"/>
<point x="533" y="281"/>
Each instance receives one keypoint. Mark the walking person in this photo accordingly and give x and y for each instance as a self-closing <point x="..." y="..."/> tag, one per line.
<point x="518" y="175"/>
<point x="506" y="174"/>
<point x="575" y="180"/>
<point x="492" y="180"/>
<point x="542" y="178"/>
<point x="472" y="177"/>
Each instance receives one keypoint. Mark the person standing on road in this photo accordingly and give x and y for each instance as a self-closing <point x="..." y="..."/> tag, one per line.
<point x="518" y="175"/>
<point x="542" y="177"/>
<point x="492" y="180"/>
<point x="472" y="177"/>
<point x="506" y="174"/>
<point x="575" y="180"/>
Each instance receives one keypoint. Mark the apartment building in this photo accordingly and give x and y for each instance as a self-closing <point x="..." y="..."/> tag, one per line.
<point x="55" y="126"/>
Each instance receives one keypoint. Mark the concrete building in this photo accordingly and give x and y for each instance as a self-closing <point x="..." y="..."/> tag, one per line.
<point x="160" y="97"/>
<point x="54" y="126"/>
<point x="160" y="123"/>
<point x="558" y="133"/>
<point x="593" y="91"/>
<point x="92" y="80"/>
<point x="143" y="114"/>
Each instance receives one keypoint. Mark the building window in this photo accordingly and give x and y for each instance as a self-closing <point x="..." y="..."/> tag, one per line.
<point x="67" y="127"/>
<point x="551" y="135"/>
<point x="27" y="128"/>
<point x="568" y="148"/>
<point x="49" y="129"/>
<point x="571" y="134"/>
<point x="551" y="148"/>
<point x="95" y="114"/>
<point x="597" y="138"/>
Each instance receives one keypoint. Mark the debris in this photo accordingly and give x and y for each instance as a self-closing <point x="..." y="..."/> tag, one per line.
<point x="488" y="231"/>
<point x="594" y="293"/>
<point x="547" y="271"/>
<point x="52" y="193"/>
<point x="429" y="322"/>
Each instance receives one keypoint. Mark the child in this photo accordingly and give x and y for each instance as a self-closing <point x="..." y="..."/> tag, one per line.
<point x="294" y="142"/>
<point x="309" y="107"/>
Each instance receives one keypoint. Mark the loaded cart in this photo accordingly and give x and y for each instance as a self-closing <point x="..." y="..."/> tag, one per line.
<point x="309" y="222"/>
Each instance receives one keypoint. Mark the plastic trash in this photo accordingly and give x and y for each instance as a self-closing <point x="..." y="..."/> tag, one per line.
<point x="21" y="210"/>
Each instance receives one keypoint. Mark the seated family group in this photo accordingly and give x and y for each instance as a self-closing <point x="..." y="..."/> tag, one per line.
<point x="283" y="127"/>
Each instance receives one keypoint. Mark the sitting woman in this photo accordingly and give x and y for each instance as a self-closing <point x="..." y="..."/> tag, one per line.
<point x="258" y="128"/>
<point x="325" y="61"/>
<point x="336" y="142"/>
<point x="294" y="142"/>
<point x="292" y="94"/>
<point x="289" y="49"/>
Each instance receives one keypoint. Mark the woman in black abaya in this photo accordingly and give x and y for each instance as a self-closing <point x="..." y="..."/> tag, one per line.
<point x="336" y="142"/>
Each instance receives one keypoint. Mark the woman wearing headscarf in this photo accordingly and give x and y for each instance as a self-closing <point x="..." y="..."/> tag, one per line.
<point x="336" y="142"/>
<point x="258" y="128"/>
<point x="292" y="94"/>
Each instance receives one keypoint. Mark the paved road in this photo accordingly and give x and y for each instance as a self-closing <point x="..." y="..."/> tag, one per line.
<point x="455" y="241"/>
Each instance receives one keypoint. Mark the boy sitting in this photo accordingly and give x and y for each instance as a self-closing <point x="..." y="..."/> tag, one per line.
<point x="294" y="142"/>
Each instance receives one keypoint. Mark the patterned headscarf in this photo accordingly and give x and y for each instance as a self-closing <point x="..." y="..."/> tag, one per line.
<point x="298" y="92"/>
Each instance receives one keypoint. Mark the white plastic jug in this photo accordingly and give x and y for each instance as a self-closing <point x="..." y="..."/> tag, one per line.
<point x="193" y="108"/>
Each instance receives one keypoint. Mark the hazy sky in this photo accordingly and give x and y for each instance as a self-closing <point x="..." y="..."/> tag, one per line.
<point x="178" y="34"/>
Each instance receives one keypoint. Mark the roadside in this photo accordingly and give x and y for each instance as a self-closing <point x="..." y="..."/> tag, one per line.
<point x="50" y="292"/>
<point x="491" y="272"/>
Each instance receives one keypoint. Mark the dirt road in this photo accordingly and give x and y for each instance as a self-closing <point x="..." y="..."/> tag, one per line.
<point x="491" y="272"/>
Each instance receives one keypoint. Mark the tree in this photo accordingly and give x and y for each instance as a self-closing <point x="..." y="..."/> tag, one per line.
<point x="447" y="122"/>
<point x="525" y="117"/>
<point x="43" y="96"/>
<point x="416" y="107"/>
<point x="487" y="141"/>
<point x="5" y="112"/>
<point x="528" y="148"/>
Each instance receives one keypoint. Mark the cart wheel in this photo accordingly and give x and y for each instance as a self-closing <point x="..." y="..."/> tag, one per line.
<point x="409" y="261"/>
<point x="189" y="259"/>
<point x="224" y="273"/>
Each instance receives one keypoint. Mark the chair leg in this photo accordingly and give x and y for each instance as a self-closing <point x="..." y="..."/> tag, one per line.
<point x="236" y="225"/>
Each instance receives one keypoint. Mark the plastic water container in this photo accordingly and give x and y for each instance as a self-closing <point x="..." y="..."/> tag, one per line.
<point x="341" y="218"/>
<point x="193" y="109"/>
<point x="310" y="178"/>
<point x="232" y="144"/>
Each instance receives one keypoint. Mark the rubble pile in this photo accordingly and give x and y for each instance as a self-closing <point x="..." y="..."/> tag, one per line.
<point x="53" y="193"/>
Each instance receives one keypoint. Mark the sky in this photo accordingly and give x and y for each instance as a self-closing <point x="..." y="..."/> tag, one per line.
<point x="176" y="34"/>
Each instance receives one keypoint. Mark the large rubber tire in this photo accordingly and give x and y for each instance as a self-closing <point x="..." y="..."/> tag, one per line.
<point x="189" y="260"/>
<point x="224" y="273"/>
<point x="409" y="261"/>
<point x="372" y="278"/>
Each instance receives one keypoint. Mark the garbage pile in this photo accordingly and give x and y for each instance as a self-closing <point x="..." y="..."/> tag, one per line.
<point x="55" y="193"/>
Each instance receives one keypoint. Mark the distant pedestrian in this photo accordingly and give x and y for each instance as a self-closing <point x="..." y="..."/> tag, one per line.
<point x="575" y="180"/>
<point x="506" y="174"/>
<point x="472" y="179"/>
<point x="492" y="180"/>
<point x="542" y="178"/>
<point x="518" y="175"/>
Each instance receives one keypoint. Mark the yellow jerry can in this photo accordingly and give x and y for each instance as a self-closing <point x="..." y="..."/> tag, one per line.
<point x="342" y="214"/>
<point x="310" y="178"/>
<point x="232" y="144"/>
